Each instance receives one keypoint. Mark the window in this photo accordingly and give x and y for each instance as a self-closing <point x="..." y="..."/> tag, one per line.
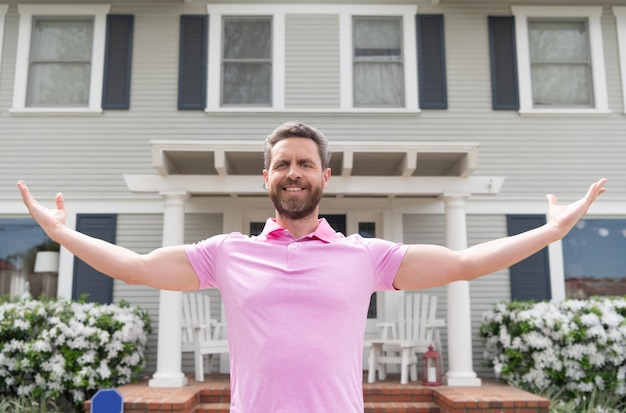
<point x="620" y="16"/>
<point x="59" y="67"/>
<point x="593" y="258"/>
<point x="560" y="64"/>
<point x="378" y="71"/>
<point x="560" y="60"/>
<point x="377" y="62"/>
<point x="60" y="58"/>
<point x="20" y="241"/>
<point x="247" y="61"/>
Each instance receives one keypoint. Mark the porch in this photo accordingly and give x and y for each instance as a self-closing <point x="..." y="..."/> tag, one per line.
<point x="388" y="396"/>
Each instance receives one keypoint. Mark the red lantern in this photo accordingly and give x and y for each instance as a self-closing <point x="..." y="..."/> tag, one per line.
<point x="431" y="361"/>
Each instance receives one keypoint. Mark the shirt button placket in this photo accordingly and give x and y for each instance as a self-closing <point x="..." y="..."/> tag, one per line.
<point x="291" y="251"/>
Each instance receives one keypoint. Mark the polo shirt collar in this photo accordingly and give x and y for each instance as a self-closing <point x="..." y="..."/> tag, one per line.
<point x="323" y="231"/>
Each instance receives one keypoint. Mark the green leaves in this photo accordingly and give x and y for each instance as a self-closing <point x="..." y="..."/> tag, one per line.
<point x="575" y="345"/>
<point x="52" y="348"/>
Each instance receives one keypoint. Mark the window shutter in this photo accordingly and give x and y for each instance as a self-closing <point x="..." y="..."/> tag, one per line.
<point x="431" y="58"/>
<point x="117" y="63"/>
<point x="87" y="280"/>
<point x="530" y="278"/>
<point x="192" y="65"/>
<point x="504" y="88"/>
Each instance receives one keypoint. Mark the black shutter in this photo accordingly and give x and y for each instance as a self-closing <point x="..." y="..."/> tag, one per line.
<point x="117" y="62"/>
<point x="530" y="278"/>
<point x="504" y="87"/>
<point x="192" y="65"/>
<point x="87" y="280"/>
<point x="431" y="58"/>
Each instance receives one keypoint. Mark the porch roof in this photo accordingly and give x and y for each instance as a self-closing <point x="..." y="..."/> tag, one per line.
<point x="359" y="168"/>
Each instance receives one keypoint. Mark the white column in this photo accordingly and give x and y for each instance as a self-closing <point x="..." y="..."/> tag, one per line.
<point x="169" y="365"/>
<point x="460" y="365"/>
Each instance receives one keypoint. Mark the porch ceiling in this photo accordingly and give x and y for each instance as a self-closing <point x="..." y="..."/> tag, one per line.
<point x="358" y="168"/>
<point x="348" y="159"/>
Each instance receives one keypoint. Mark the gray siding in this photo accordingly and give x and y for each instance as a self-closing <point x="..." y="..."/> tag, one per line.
<point x="312" y="61"/>
<point x="484" y="292"/>
<point x="142" y="233"/>
<point x="89" y="154"/>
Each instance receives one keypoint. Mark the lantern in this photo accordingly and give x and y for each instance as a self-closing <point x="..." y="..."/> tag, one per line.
<point x="432" y="368"/>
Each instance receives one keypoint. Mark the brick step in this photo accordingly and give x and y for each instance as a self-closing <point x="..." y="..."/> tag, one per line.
<point x="370" y="407"/>
<point x="212" y="408"/>
<point x="401" y="407"/>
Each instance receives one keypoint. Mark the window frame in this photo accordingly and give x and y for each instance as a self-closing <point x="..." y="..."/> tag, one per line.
<point x="4" y="8"/>
<point x="278" y="14"/>
<point x="27" y="12"/>
<point x="620" y="20"/>
<point x="593" y="15"/>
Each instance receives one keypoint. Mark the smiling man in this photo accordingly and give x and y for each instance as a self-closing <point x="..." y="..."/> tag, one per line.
<point x="296" y="296"/>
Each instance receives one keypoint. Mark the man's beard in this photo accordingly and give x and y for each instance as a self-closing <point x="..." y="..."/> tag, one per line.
<point x="291" y="207"/>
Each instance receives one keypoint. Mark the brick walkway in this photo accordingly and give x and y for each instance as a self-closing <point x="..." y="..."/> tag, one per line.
<point x="389" y="396"/>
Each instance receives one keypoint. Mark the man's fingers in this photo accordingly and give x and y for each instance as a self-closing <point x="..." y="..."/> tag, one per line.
<point x="26" y="195"/>
<point x="600" y="189"/>
<point x="552" y="199"/>
<point x="59" y="201"/>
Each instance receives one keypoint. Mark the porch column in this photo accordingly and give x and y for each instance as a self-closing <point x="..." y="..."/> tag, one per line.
<point x="169" y="366"/>
<point x="460" y="366"/>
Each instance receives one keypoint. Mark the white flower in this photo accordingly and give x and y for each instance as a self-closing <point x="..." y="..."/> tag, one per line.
<point x="22" y="324"/>
<point x="104" y="371"/>
<point x="597" y="359"/>
<point x="599" y="382"/>
<point x="41" y="346"/>
<point x="25" y="390"/>
<point x="536" y="340"/>
<point x="589" y="319"/>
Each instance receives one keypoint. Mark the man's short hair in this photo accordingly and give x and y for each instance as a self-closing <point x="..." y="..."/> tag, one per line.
<point x="297" y="130"/>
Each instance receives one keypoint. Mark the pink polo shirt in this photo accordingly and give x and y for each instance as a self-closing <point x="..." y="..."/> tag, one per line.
<point x="296" y="312"/>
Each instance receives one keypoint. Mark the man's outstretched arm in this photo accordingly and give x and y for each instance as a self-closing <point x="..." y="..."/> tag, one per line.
<point x="426" y="266"/>
<point x="165" y="268"/>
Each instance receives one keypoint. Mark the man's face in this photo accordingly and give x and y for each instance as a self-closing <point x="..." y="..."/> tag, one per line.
<point x="295" y="178"/>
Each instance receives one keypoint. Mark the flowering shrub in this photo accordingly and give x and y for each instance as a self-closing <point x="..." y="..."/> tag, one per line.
<point x="575" y="345"/>
<point x="64" y="348"/>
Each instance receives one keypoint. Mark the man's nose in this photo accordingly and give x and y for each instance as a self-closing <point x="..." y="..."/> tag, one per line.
<point x="293" y="172"/>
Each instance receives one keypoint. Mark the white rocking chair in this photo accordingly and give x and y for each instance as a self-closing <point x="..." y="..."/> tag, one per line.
<point x="201" y="334"/>
<point x="417" y="329"/>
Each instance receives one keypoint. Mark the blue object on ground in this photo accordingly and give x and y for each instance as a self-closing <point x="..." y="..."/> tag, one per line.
<point x="107" y="401"/>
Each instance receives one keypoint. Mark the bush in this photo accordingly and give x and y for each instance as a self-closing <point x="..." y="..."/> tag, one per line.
<point x="66" y="349"/>
<point x="575" y="345"/>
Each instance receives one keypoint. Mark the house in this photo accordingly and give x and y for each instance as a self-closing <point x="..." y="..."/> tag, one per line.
<point x="449" y="121"/>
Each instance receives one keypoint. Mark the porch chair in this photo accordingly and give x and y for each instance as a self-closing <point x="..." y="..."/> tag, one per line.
<point x="201" y="334"/>
<point x="417" y="328"/>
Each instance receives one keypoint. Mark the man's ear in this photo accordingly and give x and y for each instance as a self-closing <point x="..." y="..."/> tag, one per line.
<point x="326" y="177"/>
<point x="265" y="178"/>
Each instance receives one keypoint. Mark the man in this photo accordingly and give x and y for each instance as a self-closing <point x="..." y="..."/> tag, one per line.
<point x="296" y="296"/>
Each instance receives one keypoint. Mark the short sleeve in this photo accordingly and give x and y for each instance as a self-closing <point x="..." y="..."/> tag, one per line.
<point x="203" y="256"/>
<point x="386" y="259"/>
